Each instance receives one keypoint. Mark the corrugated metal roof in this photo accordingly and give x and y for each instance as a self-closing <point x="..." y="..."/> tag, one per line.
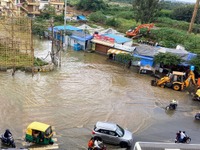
<point x="116" y="51"/>
<point x="68" y="27"/>
<point x="118" y="39"/>
<point x="103" y="43"/>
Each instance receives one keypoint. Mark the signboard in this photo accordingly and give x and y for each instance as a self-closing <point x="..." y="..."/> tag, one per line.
<point x="104" y="38"/>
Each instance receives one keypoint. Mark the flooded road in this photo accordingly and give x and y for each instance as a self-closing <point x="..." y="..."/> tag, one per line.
<point x="88" y="88"/>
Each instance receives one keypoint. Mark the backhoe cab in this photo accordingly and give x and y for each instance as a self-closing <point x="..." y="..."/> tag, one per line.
<point x="175" y="80"/>
<point x="133" y="33"/>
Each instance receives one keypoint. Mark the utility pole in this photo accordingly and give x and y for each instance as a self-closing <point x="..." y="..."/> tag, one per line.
<point x="52" y="42"/>
<point x="193" y="16"/>
<point x="65" y="23"/>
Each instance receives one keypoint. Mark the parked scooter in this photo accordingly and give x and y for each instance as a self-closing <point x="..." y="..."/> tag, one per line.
<point x="172" y="106"/>
<point x="7" y="139"/>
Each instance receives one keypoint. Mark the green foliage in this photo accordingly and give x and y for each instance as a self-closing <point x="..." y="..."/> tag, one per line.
<point x="184" y="13"/>
<point x="39" y="26"/>
<point x="181" y="25"/>
<point x="165" y="13"/>
<point x="93" y="5"/>
<point x="171" y="5"/>
<point x="124" y="14"/>
<point x="123" y="1"/>
<point x="48" y="12"/>
<point x="39" y="62"/>
<point x="97" y="17"/>
<point x="59" y="18"/>
<point x="113" y="22"/>
<point x="169" y="37"/>
<point x="167" y="59"/>
<point x="195" y="61"/>
<point x="125" y="58"/>
<point x="145" y="10"/>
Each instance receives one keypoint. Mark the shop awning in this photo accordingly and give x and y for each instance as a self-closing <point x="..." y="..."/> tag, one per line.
<point x="116" y="51"/>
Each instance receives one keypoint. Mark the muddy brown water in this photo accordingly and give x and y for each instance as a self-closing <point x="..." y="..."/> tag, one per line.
<point x="88" y="88"/>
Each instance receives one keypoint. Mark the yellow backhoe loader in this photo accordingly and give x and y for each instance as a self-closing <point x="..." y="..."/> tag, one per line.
<point x="175" y="80"/>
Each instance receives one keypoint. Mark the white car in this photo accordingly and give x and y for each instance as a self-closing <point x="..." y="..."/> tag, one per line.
<point x="113" y="134"/>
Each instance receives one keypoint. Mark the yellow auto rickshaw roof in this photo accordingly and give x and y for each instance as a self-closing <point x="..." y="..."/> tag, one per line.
<point x="38" y="126"/>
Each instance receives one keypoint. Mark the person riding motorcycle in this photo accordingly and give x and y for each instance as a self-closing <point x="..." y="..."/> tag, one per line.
<point x="173" y="104"/>
<point x="181" y="137"/>
<point x="7" y="138"/>
<point x="7" y="133"/>
<point x="91" y="144"/>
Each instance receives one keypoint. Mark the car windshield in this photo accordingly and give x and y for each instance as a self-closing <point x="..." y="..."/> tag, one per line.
<point x="120" y="131"/>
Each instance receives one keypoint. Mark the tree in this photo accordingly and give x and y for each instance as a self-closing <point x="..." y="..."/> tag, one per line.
<point x="168" y="59"/>
<point x="184" y="13"/>
<point x="48" y="12"/>
<point x="93" y="5"/>
<point x="146" y="10"/>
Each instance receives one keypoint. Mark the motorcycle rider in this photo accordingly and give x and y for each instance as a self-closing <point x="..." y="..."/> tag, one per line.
<point x="7" y="133"/>
<point x="173" y="104"/>
<point x="7" y="138"/>
<point x="182" y="136"/>
<point x="91" y="144"/>
<point x="98" y="145"/>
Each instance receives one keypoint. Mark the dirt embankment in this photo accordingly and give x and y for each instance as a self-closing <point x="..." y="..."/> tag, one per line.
<point x="74" y="11"/>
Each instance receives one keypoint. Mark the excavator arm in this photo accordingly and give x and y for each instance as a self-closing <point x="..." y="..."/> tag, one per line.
<point x="135" y="32"/>
<point x="191" y="77"/>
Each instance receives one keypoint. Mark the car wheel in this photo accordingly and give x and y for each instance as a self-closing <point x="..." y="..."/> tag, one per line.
<point x="123" y="144"/>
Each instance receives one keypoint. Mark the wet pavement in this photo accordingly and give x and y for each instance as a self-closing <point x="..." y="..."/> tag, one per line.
<point x="88" y="88"/>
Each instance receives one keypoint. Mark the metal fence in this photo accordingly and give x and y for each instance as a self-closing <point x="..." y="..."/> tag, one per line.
<point x="16" y="44"/>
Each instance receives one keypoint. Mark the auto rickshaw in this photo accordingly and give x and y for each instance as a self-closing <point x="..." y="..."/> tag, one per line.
<point x="39" y="133"/>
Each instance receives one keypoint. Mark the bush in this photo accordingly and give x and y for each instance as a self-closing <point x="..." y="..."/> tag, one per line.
<point x="39" y="62"/>
<point x="169" y="37"/>
<point x="113" y="22"/>
<point x="97" y="17"/>
<point x="165" y="13"/>
<point x="125" y="14"/>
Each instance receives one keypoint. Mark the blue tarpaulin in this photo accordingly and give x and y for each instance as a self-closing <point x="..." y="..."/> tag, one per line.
<point x="145" y="60"/>
<point x="82" y="39"/>
<point x="81" y="17"/>
<point x="68" y="27"/>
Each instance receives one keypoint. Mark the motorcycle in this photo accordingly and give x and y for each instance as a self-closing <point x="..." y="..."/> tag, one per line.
<point x="7" y="139"/>
<point x="197" y="116"/>
<point x="102" y="148"/>
<point x="186" y="139"/>
<point x="172" y="106"/>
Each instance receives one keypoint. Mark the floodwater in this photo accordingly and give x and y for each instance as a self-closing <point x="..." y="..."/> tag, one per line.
<point x="88" y="88"/>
